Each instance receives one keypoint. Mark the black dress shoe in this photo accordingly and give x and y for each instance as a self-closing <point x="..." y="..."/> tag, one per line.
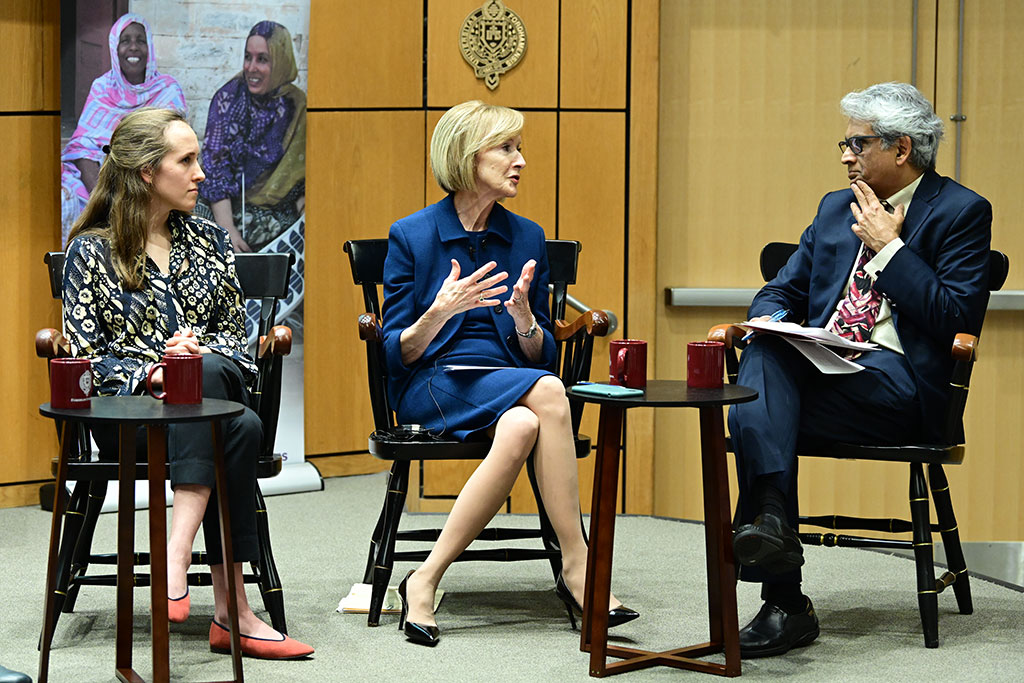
<point x="421" y="634"/>
<point x="768" y="543"/>
<point x="774" y="632"/>
<point x="616" y="617"/>
<point x="8" y="676"/>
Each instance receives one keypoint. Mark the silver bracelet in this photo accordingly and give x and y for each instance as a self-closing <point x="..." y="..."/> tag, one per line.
<point x="530" y="332"/>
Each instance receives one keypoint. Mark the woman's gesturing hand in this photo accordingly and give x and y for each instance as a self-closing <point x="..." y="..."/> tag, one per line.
<point x="473" y="291"/>
<point x="518" y="305"/>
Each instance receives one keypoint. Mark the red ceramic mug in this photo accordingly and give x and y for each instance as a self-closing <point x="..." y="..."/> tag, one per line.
<point x="183" y="378"/>
<point x="705" y="364"/>
<point x="627" y="366"/>
<point x="70" y="382"/>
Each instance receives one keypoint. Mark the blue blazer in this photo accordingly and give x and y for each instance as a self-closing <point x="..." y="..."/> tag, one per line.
<point x="420" y="249"/>
<point x="937" y="285"/>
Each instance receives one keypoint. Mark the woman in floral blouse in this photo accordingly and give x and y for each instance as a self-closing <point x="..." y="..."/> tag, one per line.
<point x="143" y="278"/>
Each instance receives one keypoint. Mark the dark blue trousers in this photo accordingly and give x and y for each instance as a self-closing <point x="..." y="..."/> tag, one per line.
<point x="799" y="404"/>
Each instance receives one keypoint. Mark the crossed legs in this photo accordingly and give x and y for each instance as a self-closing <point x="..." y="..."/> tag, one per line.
<point x="540" y="422"/>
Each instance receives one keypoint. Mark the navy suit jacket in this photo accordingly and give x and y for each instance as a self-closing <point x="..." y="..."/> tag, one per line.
<point x="937" y="285"/>
<point x="420" y="249"/>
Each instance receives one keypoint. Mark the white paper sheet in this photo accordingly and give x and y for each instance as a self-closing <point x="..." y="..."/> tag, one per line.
<point x="815" y="334"/>
<point x="826" y="360"/>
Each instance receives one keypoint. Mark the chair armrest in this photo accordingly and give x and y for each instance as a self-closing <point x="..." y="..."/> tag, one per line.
<point x="596" y="323"/>
<point x="732" y="336"/>
<point x="725" y="333"/>
<point x="50" y="343"/>
<point x="369" y="330"/>
<point x="965" y="348"/>
<point x="277" y="343"/>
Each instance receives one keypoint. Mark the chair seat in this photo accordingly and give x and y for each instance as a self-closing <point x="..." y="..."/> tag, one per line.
<point x="99" y="470"/>
<point x="384" y="446"/>
<point x="919" y="453"/>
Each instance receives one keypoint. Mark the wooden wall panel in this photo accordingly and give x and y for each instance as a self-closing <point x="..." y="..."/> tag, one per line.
<point x="366" y="54"/>
<point x="30" y="32"/>
<point x="29" y="227"/>
<point x="591" y="209"/>
<point x="641" y="278"/>
<point x="365" y="171"/>
<point x="593" y="54"/>
<point x="994" y="106"/>
<point x="450" y="79"/>
<point x="749" y="107"/>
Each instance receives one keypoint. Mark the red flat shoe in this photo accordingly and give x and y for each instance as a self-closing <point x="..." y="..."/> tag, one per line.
<point x="178" y="608"/>
<point x="258" y="648"/>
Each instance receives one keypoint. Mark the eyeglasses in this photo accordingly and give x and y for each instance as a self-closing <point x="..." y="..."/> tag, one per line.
<point x="856" y="143"/>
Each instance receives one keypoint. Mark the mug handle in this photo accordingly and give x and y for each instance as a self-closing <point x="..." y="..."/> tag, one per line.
<point x="149" y="381"/>
<point x="620" y="371"/>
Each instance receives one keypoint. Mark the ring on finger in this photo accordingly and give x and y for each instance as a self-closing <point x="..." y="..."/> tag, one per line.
<point x="480" y="298"/>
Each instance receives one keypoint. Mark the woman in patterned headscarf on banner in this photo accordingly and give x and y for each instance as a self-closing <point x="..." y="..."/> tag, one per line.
<point x="132" y="82"/>
<point x="254" y="149"/>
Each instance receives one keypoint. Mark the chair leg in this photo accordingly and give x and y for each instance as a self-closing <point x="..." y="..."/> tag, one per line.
<point x="73" y="514"/>
<point x="547" y="532"/>
<point x="394" y="502"/>
<point x="97" y="492"/>
<point x="270" y="581"/>
<point x="375" y="538"/>
<point x="951" y="538"/>
<point x="927" y="595"/>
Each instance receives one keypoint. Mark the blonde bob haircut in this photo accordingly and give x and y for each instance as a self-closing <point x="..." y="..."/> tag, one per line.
<point x="464" y="130"/>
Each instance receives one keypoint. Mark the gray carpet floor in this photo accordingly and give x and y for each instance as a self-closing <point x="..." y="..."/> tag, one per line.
<point x="502" y="621"/>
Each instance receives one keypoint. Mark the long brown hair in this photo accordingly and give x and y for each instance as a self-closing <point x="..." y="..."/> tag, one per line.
<point x="118" y="208"/>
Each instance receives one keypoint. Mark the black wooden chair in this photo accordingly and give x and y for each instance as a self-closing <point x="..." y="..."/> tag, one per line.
<point x="263" y="277"/>
<point x="917" y="455"/>
<point x="575" y="347"/>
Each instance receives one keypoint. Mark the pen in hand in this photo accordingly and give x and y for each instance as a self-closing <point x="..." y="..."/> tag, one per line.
<point x="774" y="318"/>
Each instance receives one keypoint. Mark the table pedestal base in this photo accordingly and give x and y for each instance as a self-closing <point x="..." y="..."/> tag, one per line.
<point x="156" y="436"/>
<point x="722" y="620"/>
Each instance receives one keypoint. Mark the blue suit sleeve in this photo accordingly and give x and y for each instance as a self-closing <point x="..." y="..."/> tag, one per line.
<point x="951" y="297"/>
<point x="399" y="298"/>
<point x="539" y="304"/>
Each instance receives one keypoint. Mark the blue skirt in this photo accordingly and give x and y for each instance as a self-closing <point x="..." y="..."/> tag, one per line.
<point x="460" y="403"/>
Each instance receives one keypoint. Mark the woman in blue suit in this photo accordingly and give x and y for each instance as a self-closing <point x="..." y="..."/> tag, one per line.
<point x="446" y="304"/>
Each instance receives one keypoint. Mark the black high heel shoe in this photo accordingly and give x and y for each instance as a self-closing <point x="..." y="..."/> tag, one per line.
<point x="616" y="617"/>
<point x="421" y="634"/>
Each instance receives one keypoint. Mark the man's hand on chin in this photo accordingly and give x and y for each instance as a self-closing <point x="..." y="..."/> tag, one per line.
<point x="875" y="226"/>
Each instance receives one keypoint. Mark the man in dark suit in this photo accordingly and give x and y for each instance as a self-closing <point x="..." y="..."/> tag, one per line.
<point x="899" y="259"/>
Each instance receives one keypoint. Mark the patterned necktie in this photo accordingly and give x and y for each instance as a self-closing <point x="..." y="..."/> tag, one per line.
<point x="859" y="310"/>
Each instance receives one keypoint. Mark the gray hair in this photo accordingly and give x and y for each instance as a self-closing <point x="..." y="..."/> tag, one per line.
<point x="895" y="110"/>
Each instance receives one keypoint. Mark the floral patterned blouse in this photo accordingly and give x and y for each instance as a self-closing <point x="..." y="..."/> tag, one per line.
<point x="126" y="331"/>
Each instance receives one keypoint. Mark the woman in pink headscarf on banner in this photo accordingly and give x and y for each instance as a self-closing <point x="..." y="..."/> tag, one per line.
<point x="132" y="82"/>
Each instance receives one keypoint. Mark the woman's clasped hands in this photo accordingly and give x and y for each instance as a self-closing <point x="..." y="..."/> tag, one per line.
<point x="183" y="341"/>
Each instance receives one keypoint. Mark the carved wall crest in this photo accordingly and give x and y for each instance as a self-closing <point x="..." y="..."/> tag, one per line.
<point x="492" y="40"/>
